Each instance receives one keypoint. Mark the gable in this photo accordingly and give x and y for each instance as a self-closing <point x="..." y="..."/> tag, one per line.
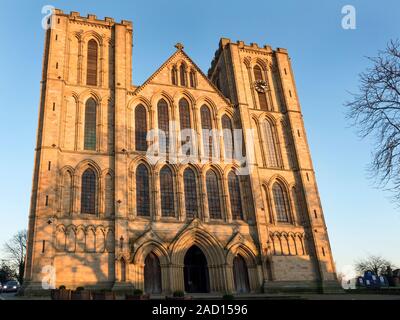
<point x="162" y="77"/>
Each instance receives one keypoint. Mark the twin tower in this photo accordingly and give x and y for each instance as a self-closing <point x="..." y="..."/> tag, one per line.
<point x="194" y="182"/>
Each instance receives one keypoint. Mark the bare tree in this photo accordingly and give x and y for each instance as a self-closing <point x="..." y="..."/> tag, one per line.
<point x="6" y="272"/>
<point x="375" y="111"/>
<point x="15" y="250"/>
<point x="373" y="263"/>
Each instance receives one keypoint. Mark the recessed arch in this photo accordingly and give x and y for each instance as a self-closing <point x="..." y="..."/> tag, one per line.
<point x="228" y="137"/>
<point x="204" y="100"/>
<point x="182" y="74"/>
<point x="163" y="120"/>
<point x="271" y="143"/>
<point x="109" y="199"/>
<point x="90" y="34"/>
<point x="192" y="78"/>
<point x="60" y="238"/>
<point x="214" y="193"/>
<point x="90" y="124"/>
<point x="174" y="75"/>
<point x="196" y="276"/>
<point x="167" y="193"/>
<point x="261" y="63"/>
<point x="89" y="191"/>
<point x="152" y="274"/>
<point x="247" y="250"/>
<point x="235" y="196"/>
<point x="80" y="238"/>
<point x="281" y="202"/>
<point x="207" y="127"/>
<point x="184" y="93"/>
<point x="143" y="183"/>
<point x="87" y="163"/>
<point x="90" y="240"/>
<point x="190" y="186"/>
<point x="209" y="245"/>
<point x="140" y="127"/>
<point x="92" y="62"/>
<point x="139" y="100"/>
<point x="157" y="96"/>
<point x="241" y="275"/>
<point x="153" y="246"/>
<point x="91" y="93"/>
<point x="138" y="159"/>
<point x="66" y="191"/>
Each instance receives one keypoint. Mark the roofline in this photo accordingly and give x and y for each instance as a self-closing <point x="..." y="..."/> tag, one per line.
<point x="180" y="50"/>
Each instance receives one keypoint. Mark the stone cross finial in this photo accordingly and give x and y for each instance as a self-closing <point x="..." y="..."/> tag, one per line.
<point x="179" y="46"/>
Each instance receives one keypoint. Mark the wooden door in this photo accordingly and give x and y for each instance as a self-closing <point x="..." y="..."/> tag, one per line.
<point x="241" y="276"/>
<point x="152" y="274"/>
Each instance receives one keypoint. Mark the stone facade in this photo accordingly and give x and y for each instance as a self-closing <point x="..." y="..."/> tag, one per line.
<point x="280" y="233"/>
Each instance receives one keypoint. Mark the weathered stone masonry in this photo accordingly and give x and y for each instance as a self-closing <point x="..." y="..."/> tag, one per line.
<point x="99" y="208"/>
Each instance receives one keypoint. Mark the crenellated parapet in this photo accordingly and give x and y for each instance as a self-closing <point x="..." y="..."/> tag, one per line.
<point x="91" y="19"/>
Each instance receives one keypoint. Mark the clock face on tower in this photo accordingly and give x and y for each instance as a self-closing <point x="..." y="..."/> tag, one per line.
<point x="260" y="85"/>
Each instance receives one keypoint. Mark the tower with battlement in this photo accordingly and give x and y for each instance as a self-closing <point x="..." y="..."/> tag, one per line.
<point x="194" y="182"/>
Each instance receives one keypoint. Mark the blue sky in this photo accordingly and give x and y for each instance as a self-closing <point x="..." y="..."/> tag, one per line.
<point x="326" y="59"/>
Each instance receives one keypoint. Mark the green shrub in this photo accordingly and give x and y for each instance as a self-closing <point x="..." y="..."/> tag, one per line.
<point x="137" y="292"/>
<point x="80" y="289"/>
<point x="228" y="296"/>
<point x="178" y="293"/>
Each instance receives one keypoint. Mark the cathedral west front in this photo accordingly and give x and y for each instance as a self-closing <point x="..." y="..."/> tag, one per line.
<point x="190" y="181"/>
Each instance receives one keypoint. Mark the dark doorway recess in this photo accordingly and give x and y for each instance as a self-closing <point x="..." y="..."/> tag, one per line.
<point x="196" y="271"/>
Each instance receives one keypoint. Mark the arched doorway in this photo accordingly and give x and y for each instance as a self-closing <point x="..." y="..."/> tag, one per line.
<point x="241" y="276"/>
<point x="196" y="271"/>
<point x="152" y="274"/>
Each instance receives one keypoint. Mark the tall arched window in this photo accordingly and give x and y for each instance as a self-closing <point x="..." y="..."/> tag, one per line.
<point x="90" y="124"/>
<point x="234" y="195"/>
<point x="185" y="123"/>
<point x="213" y="195"/>
<point x="167" y="192"/>
<point x="228" y="136"/>
<point x="66" y="195"/>
<point x="281" y="202"/>
<point x="88" y="192"/>
<point x="270" y="141"/>
<point x="140" y="128"/>
<point x="192" y="78"/>
<point x="142" y="191"/>
<point x="182" y="71"/>
<point x="174" y="76"/>
<point x="207" y="131"/>
<point x="92" y="54"/>
<point x="190" y="186"/>
<point x="163" y="125"/>
<point x="262" y="99"/>
<point x="90" y="240"/>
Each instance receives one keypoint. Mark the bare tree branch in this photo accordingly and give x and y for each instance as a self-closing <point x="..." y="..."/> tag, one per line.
<point x="15" y="250"/>
<point x="373" y="263"/>
<point x="375" y="112"/>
